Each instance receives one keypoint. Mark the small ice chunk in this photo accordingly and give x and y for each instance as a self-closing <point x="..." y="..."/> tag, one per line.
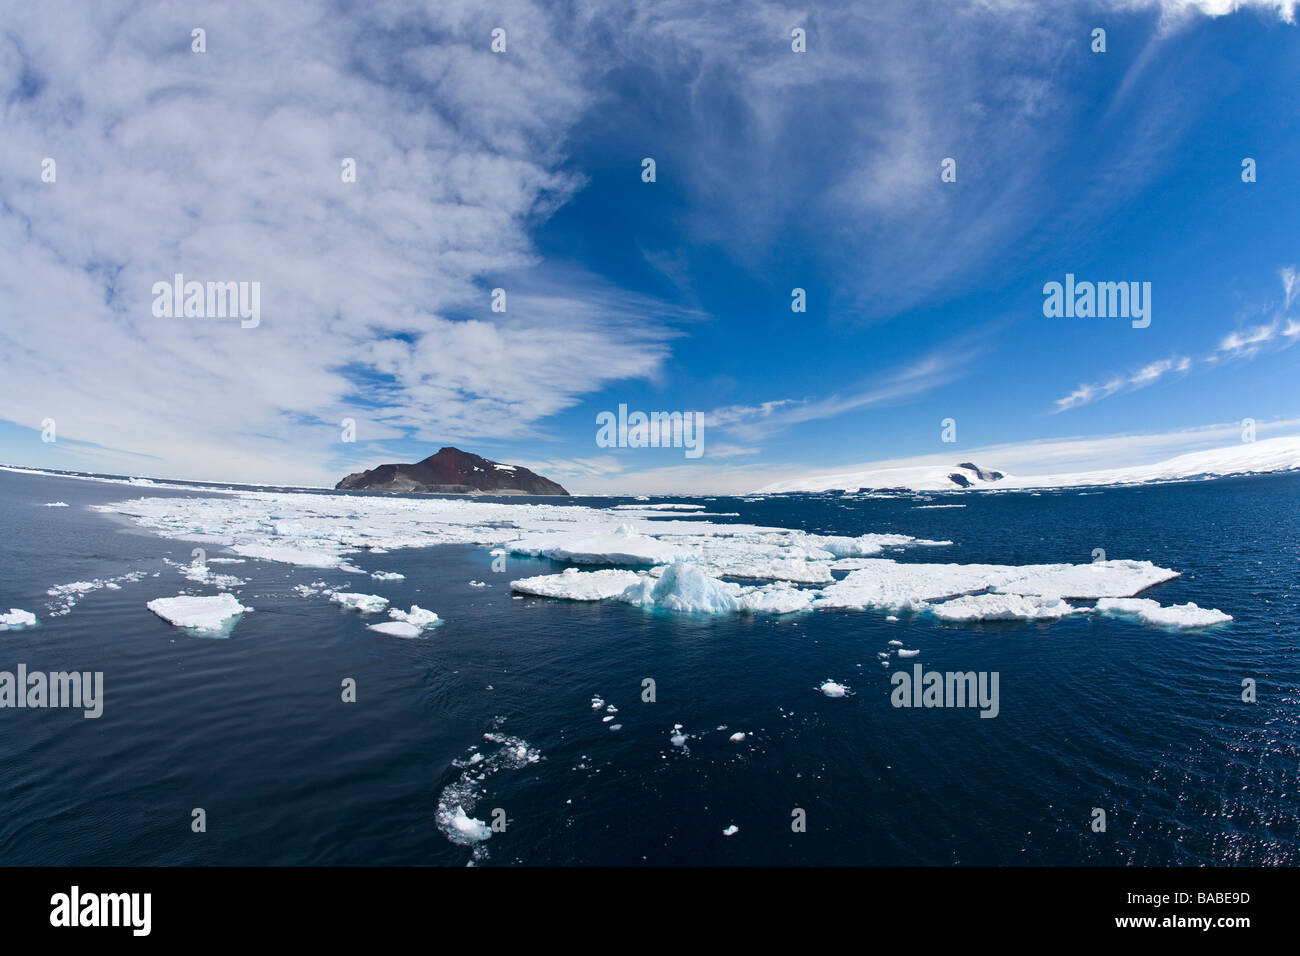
<point x="731" y="830"/>
<point x="468" y="828"/>
<point x="395" y="629"/>
<point x="903" y="653"/>
<point x="478" y="584"/>
<point x="365" y="603"/>
<point x="737" y="738"/>
<point x="831" y="689"/>
<point x="56" y="504"/>
<point x="416" y="617"/>
<point x="387" y="576"/>
<point x="17" y="618"/>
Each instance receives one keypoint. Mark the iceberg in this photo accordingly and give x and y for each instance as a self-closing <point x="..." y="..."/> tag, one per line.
<point x="685" y="587"/>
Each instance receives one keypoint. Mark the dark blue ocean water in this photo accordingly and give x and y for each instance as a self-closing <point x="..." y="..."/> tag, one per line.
<point x="1147" y="724"/>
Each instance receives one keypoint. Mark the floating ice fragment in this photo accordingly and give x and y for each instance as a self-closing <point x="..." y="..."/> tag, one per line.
<point x="416" y="617"/>
<point x="208" y="615"/>
<point x="831" y="689"/>
<point x="395" y="629"/>
<point x="365" y="603"/>
<point x="17" y="619"/>
<point x="1151" y="612"/>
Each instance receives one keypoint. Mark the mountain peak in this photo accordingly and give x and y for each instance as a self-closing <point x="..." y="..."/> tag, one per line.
<point x="452" y="471"/>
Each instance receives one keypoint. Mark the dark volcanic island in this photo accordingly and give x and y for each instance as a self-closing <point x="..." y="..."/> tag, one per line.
<point x="452" y="471"/>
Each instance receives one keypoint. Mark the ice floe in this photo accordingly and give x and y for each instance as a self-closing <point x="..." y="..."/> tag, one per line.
<point x="622" y="545"/>
<point x="1003" y="607"/>
<point x="387" y="576"/>
<point x="202" y="574"/>
<point x="209" y="615"/>
<point x="56" y="504"/>
<point x="16" y="619"/>
<point x="365" y="603"/>
<point x="407" y="624"/>
<point x="1152" y="612"/>
<point x="666" y="506"/>
<point x="834" y="689"/>
<point x="416" y="617"/>
<point x="576" y="585"/>
<point x="396" y="629"/>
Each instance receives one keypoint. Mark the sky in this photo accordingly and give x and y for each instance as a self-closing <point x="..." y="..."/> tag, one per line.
<point x="128" y="156"/>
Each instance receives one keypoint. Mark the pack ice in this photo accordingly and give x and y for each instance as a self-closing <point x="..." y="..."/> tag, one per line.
<point x="660" y="560"/>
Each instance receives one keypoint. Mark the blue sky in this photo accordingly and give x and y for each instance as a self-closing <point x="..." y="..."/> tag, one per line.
<point x="521" y="170"/>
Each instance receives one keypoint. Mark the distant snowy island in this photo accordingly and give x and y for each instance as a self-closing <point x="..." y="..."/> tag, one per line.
<point x="1258" y="457"/>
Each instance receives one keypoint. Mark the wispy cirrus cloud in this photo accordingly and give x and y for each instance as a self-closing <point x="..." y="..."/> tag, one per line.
<point x="1148" y="374"/>
<point x="1246" y="343"/>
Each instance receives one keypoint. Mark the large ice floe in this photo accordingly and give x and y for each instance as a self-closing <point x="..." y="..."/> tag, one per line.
<point x="659" y="561"/>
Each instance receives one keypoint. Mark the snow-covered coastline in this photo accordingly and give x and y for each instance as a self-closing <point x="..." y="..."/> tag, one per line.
<point x="1246" y="458"/>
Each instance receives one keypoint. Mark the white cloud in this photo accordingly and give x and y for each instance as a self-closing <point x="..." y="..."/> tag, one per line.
<point x="226" y="166"/>
<point x="1148" y="374"/>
